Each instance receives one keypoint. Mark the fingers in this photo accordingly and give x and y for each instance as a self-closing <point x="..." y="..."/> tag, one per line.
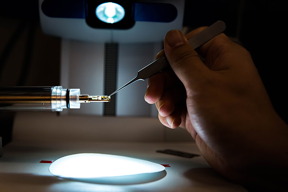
<point x="164" y="90"/>
<point x="155" y="89"/>
<point x="171" y="106"/>
<point x="183" y="59"/>
<point x="161" y="93"/>
<point x="159" y="83"/>
<point x="170" y="121"/>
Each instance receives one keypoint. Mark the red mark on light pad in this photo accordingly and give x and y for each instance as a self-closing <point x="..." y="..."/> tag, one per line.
<point x="166" y="165"/>
<point x="46" y="161"/>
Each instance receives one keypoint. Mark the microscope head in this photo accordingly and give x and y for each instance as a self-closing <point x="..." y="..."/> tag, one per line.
<point x="119" y="21"/>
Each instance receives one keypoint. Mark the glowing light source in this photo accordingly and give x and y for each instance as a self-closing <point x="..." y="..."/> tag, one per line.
<point x="110" y="12"/>
<point x="105" y="168"/>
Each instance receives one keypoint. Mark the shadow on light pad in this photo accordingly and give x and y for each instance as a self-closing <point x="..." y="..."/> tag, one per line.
<point x="106" y="169"/>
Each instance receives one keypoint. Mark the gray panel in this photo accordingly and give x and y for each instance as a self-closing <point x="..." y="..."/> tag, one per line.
<point x="132" y="57"/>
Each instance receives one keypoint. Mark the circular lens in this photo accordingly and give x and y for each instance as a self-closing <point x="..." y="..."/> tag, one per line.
<point x="110" y="12"/>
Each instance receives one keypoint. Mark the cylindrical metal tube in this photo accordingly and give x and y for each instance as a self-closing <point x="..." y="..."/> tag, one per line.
<point x="53" y="98"/>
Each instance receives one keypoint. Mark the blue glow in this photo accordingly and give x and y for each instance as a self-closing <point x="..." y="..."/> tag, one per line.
<point x="110" y="12"/>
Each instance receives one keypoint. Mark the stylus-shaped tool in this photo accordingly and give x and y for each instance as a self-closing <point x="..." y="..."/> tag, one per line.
<point x="161" y="63"/>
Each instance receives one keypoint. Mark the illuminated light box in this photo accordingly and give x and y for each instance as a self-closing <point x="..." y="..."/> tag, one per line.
<point x="106" y="169"/>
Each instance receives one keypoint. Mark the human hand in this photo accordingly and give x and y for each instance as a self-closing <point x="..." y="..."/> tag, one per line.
<point x="218" y="96"/>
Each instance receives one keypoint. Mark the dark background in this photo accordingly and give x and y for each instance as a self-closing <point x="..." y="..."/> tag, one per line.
<point x="29" y="57"/>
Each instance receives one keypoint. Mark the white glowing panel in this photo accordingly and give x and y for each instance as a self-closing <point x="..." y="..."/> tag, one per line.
<point x="105" y="168"/>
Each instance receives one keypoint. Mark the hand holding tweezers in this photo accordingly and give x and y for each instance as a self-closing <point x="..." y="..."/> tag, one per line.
<point x="161" y="63"/>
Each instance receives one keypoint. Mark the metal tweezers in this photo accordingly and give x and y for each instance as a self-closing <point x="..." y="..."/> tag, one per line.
<point x="161" y="63"/>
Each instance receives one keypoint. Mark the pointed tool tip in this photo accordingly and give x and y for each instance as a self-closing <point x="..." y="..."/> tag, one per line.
<point x="112" y="94"/>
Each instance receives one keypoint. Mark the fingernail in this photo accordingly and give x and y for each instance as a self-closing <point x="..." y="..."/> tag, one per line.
<point x="175" y="38"/>
<point x="170" y="121"/>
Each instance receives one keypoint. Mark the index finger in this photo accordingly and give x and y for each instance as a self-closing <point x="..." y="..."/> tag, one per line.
<point x="155" y="88"/>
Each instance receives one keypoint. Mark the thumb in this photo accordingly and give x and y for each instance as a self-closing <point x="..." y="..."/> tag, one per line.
<point x="184" y="60"/>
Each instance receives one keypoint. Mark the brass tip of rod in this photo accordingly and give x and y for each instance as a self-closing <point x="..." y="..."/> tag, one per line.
<point x="99" y="98"/>
<point x="94" y="98"/>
